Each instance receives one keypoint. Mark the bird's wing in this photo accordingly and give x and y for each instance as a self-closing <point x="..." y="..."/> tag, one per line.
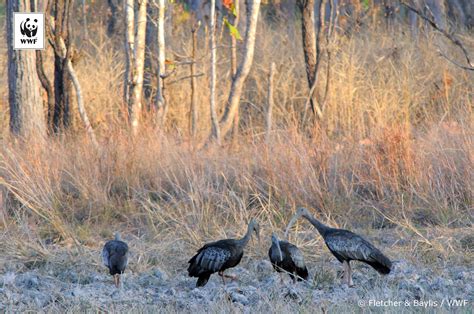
<point x="114" y="249"/>
<point x="213" y="258"/>
<point x="351" y="246"/>
<point x="105" y="256"/>
<point x="296" y="256"/>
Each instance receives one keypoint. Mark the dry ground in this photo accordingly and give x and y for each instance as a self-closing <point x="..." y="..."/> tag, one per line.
<point x="74" y="280"/>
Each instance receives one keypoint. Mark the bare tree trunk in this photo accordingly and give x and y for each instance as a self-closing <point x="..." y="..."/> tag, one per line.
<point x="193" y="111"/>
<point x="235" y="131"/>
<point x="84" y="19"/>
<point x="135" y="104"/>
<point x="309" y="39"/>
<point x="310" y="46"/>
<point x="46" y="83"/>
<point x="269" y="112"/>
<point x="129" y="48"/>
<point x="149" y="89"/>
<point x="112" y="22"/>
<point x="161" y="107"/>
<point x="328" y="31"/>
<point x="26" y="108"/>
<point x="212" y="84"/>
<point x="64" y="52"/>
<point x="62" y="80"/>
<point x="80" y="105"/>
<point x="253" y="8"/>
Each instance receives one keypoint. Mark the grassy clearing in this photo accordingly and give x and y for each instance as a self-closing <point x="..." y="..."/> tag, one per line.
<point x="394" y="152"/>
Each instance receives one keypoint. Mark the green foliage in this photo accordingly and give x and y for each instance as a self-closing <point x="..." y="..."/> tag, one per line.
<point x="233" y="9"/>
<point x="365" y="4"/>
<point x="233" y="31"/>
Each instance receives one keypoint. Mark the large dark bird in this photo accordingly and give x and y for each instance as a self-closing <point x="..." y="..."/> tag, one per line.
<point x="219" y="256"/>
<point x="286" y="257"/>
<point x="346" y="246"/>
<point x="115" y="257"/>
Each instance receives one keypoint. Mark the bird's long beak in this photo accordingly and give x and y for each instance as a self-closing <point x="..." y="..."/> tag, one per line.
<point x="279" y="250"/>
<point x="291" y="223"/>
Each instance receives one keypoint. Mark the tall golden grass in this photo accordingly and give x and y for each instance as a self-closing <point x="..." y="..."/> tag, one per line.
<point x="395" y="146"/>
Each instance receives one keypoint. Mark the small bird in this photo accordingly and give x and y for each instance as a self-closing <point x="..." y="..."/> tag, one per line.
<point x="346" y="246"/>
<point x="219" y="256"/>
<point x="115" y="257"/>
<point x="286" y="257"/>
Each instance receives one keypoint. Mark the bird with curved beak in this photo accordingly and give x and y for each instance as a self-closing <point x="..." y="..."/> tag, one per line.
<point x="286" y="257"/>
<point x="219" y="256"/>
<point x="346" y="246"/>
<point x="115" y="257"/>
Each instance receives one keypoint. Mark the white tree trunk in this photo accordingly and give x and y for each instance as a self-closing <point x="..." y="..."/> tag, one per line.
<point x="235" y="131"/>
<point x="212" y="88"/>
<point x="129" y="48"/>
<point x="269" y="110"/>
<point x="193" y="110"/>
<point x="80" y="105"/>
<point x="160" y="99"/>
<point x="253" y="8"/>
<point x="138" y="67"/>
<point x="26" y="106"/>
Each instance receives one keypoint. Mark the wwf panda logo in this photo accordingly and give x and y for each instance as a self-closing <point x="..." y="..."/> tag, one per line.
<point x="29" y="28"/>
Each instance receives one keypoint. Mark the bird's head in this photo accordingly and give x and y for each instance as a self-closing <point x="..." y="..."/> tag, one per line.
<point x="276" y="242"/>
<point x="255" y="227"/>
<point x="275" y="238"/>
<point x="117" y="236"/>
<point x="300" y="212"/>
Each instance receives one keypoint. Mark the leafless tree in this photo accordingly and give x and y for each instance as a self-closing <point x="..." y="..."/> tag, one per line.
<point x="26" y="109"/>
<point x="149" y="75"/>
<point x="84" y="20"/>
<point x="235" y="131"/>
<point x="216" y="134"/>
<point x="238" y="81"/>
<point x="44" y="6"/>
<point x="62" y="81"/>
<point x="137" y="67"/>
<point x="46" y="83"/>
<point x="451" y="36"/>
<point x="129" y="48"/>
<point x="160" y="98"/>
<point x="269" y="111"/>
<point x="64" y="54"/>
<point x="311" y="47"/>
<point x="193" y="111"/>
<point x="112" y="22"/>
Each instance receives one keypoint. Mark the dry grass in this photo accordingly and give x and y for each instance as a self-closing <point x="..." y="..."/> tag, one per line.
<point x="395" y="150"/>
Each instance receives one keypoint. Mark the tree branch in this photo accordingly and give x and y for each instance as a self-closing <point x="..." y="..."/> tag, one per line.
<point x="451" y="37"/>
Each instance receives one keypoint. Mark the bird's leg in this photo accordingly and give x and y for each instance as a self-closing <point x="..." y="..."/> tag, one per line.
<point x="232" y="277"/>
<point x="116" y="280"/>
<point x="281" y="278"/>
<point x="345" y="277"/>
<point x="350" y="283"/>
<point x="294" y="278"/>
<point x="221" y="273"/>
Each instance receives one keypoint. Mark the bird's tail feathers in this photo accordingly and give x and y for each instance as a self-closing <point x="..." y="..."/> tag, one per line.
<point x="381" y="263"/>
<point x="202" y="280"/>
<point x="193" y="269"/>
<point x="302" y="273"/>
